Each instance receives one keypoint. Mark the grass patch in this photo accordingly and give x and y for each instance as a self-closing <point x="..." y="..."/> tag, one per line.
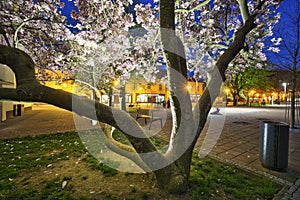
<point x="29" y="154"/>
<point x="120" y="137"/>
<point x="105" y="168"/>
<point x="35" y="152"/>
<point x="58" y="166"/>
<point x="214" y="180"/>
<point x="158" y="143"/>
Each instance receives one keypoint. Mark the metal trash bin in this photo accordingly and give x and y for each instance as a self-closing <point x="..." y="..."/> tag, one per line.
<point x="274" y="145"/>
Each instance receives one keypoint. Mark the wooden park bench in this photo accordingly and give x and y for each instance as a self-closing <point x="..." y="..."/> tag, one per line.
<point x="142" y="114"/>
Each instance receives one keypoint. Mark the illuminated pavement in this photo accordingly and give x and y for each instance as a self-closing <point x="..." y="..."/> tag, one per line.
<point x="238" y="144"/>
<point x="233" y="137"/>
<point x="42" y="119"/>
<point x="239" y="140"/>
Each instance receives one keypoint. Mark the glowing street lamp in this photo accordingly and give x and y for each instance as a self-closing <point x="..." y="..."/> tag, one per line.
<point x="116" y="83"/>
<point x="284" y="87"/>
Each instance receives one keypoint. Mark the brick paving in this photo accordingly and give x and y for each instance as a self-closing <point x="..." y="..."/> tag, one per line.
<point x="232" y="137"/>
<point x="42" y="119"/>
<point x="239" y="144"/>
<point x="293" y="192"/>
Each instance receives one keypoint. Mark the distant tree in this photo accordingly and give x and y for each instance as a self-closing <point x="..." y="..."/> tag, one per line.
<point x="278" y="77"/>
<point x="289" y="57"/>
<point x="252" y="78"/>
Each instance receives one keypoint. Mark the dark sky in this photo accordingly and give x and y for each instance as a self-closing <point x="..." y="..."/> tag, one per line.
<point x="286" y="30"/>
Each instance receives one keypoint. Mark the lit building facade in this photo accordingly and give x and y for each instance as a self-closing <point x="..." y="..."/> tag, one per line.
<point x="137" y="91"/>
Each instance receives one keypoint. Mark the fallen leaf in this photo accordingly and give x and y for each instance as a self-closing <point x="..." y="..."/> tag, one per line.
<point x="64" y="183"/>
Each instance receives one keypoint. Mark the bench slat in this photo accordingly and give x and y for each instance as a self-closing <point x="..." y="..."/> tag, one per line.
<point x="151" y="118"/>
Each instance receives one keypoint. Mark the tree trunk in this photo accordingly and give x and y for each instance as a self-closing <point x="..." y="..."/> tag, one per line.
<point x="293" y="99"/>
<point x="292" y="122"/>
<point x="175" y="177"/>
<point x="109" y="94"/>
<point x="122" y="98"/>
<point x="235" y="100"/>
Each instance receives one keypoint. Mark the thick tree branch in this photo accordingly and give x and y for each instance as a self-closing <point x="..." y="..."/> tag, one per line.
<point x="19" y="62"/>
<point x="244" y="10"/>
<point x="218" y="76"/>
<point x="123" y="149"/>
<point x="29" y="89"/>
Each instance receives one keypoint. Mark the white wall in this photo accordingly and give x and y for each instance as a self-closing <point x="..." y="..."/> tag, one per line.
<point x="6" y="106"/>
<point x="7" y="80"/>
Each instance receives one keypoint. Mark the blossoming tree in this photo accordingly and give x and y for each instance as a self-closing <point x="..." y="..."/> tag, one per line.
<point x="48" y="43"/>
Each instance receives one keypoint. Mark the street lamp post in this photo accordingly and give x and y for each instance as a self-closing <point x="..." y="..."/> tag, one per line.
<point x="284" y="87"/>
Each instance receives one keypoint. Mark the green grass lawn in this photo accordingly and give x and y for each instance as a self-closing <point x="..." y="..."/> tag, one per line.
<point x="58" y="166"/>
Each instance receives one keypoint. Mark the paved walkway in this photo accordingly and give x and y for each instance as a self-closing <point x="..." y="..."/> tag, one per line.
<point x="239" y="140"/>
<point x="238" y="144"/>
<point x="42" y="119"/>
<point x="232" y="136"/>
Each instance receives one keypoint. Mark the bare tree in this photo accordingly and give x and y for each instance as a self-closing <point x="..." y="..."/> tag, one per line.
<point x="289" y="57"/>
